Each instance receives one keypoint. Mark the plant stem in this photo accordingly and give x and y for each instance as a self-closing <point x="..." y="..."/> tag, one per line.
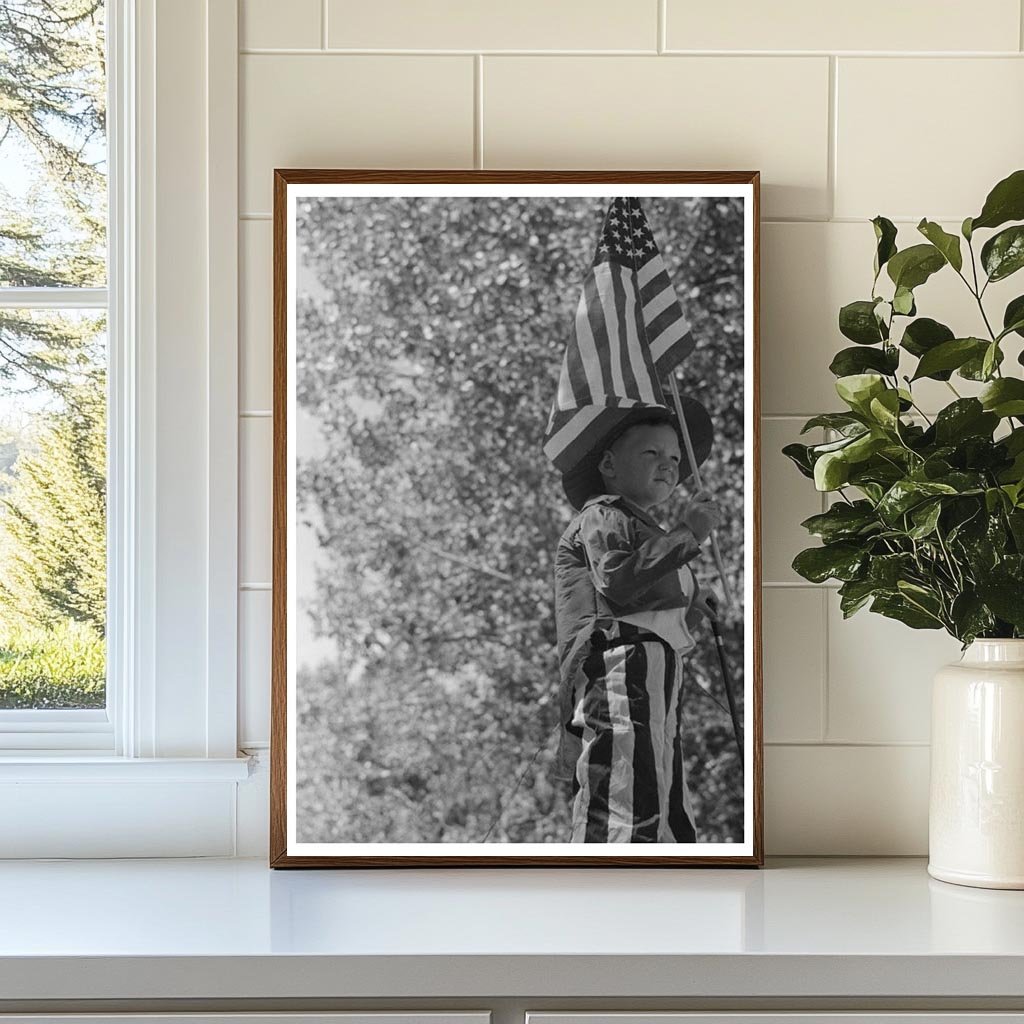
<point x="953" y="567"/>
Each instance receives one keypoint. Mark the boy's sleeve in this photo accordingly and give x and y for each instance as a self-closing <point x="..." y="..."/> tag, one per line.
<point x="622" y="568"/>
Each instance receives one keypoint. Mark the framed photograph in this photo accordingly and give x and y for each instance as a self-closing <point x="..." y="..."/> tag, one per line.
<point x="516" y="559"/>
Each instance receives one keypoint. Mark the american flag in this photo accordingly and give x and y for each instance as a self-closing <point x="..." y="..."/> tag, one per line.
<point x="629" y="332"/>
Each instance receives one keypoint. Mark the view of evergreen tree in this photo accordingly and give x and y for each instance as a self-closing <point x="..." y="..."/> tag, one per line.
<point x="52" y="365"/>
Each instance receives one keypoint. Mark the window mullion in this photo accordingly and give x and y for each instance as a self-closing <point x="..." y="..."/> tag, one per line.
<point x="53" y="298"/>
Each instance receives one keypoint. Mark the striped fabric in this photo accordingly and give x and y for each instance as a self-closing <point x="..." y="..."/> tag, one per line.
<point x="628" y="333"/>
<point x="630" y="782"/>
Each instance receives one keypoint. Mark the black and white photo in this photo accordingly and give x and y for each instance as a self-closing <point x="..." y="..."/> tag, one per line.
<point x="516" y="567"/>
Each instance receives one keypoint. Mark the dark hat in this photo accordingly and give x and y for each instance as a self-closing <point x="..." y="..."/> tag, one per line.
<point x="584" y="480"/>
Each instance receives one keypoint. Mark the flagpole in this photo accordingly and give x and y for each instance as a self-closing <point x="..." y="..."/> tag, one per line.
<point x="690" y="454"/>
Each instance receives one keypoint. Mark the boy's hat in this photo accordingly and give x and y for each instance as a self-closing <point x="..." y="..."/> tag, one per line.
<point x="584" y="480"/>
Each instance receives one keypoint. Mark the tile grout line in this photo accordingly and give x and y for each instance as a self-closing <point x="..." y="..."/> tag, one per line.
<point x="662" y="27"/>
<point x="478" y="111"/>
<point x="824" y="716"/>
<point x="826" y="723"/>
<point x="323" y="25"/>
<point x="368" y="51"/>
<point x="1020" y="25"/>
<point x="846" y="744"/>
<point x="833" y="134"/>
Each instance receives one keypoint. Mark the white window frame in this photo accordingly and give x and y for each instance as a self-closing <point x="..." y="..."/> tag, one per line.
<point x="157" y="773"/>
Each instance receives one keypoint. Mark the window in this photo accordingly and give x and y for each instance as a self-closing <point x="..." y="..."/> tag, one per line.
<point x="53" y="371"/>
<point x="155" y="770"/>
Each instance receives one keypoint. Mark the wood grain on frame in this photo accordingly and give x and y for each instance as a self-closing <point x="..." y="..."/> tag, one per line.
<point x="279" y="856"/>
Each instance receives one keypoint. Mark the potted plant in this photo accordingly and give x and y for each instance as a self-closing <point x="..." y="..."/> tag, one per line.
<point x="927" y="521"/>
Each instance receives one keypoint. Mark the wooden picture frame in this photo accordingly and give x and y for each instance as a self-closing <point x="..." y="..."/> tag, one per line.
<point x="348" y="242"/>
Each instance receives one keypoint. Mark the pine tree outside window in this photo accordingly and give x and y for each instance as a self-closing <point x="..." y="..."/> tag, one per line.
<point x="53" y="369"/>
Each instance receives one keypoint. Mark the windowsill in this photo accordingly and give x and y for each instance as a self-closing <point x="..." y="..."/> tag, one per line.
<point x="78" y="766"/>
<point x="821" y="929"/>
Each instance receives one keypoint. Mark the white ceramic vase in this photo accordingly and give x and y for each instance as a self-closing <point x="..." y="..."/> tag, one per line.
<point x="976" y="813"/>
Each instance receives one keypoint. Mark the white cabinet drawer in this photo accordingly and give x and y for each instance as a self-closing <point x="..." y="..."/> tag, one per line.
<point x="360" y="1017"/>
<point x="786" y="1017"/>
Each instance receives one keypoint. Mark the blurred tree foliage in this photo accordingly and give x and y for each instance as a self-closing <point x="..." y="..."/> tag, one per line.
<point x="430" y="336"/>
<point x="53" y="205"/>
<point x="53" y="520"/>
<point x="52" y="126"/>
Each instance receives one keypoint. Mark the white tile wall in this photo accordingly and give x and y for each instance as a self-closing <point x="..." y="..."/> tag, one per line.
<point x="698" y="113"/>
<point x="876" y="25"/>
<point x="331" y="110"/>
<point x="794" y="664"/>
<point x="969" y="110"/>
<point x="263" y="24"/>
<point x="256" y="301"/>
<point x="879" y="677"/>
<point x="921" y="121"/>
<point x="253" y="667"/>
<point x="472" y="25"/>
<point x="256" y="437"/>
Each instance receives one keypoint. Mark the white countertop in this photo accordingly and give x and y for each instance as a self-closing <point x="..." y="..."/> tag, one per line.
<point x="234" y="928"/>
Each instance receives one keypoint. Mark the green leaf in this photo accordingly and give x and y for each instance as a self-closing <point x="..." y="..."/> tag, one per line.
<point x="950" y="355"/>
<point x="897" y="607"/>
<point x="974" y="368"/>
<point x="1014" y="441"/>
<point x="912" y="267"/>
<point x="1013" y="317"/>
<point x="887" y="570"/>
<point x="970" y="616"/>
<point x="885" y="409"/>
<point x="994" y="499"/>
<point x="843" y="521"/>
<point x="872" y="491"/>
<point x="925" y="518"/>
<point x="857" y="321"/>
<point x="849" y="361"/>
<point x="834" y="446"/>
<point x="963" y="482"/>
<point x="906" y="494"/>
<point x="831" y="471"/>
<point x="947" y="244"/>
<point x="799" y="454"/>
<point x="1003" y="595"/>
<point x="966" y="417"/>
<point x="1004" y="397"/>
<point x="841" y="421"/>
<point x="903" y="302"/>
<point x="1005" y="202"/>
<point x="923" y="335"/>
<point x="990" y="360"/>
<point x="840" y="561"/>
<point x="885" y="236"/>
<point x="1003" y="254"/>
<point x="858" y="389"/>
<point x="965" y="229"/>
<point x="854" y="594"/>
<point x="1016" y="520"/>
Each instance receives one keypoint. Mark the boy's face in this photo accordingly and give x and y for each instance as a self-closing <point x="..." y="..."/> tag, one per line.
<point x="643" y="464"/>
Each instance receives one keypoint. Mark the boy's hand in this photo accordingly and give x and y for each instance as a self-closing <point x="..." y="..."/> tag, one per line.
<point x="704" y="603"/>
<point x="702" y="515"/>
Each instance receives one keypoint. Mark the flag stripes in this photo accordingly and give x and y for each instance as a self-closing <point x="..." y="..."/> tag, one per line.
<point x="630" y="781"/>
<point x="628" y="333"/>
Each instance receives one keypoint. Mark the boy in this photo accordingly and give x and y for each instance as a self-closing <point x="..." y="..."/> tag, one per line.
<point x="625" y="602"/>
